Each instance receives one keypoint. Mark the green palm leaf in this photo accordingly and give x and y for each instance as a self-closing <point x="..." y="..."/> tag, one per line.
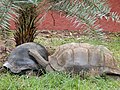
<point x="86" y="12"/>
<point x="83" y="13"/>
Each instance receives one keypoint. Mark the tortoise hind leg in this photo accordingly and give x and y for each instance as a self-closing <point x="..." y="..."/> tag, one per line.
<point x="112" y="72"/>
<point x="39" y="59"/>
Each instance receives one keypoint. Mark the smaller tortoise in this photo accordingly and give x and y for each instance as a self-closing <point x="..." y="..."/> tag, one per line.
<point x="80" y="57"/>
<point x="20" y="62"/>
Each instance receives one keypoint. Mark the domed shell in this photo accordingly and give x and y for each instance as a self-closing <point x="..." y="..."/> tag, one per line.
<point x="19" y="60"/>
<point x="77" y="57"/>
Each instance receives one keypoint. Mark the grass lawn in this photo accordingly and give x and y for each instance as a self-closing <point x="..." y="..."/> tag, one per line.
<point x="57" y="81"/>
<point x="60" y="81"/>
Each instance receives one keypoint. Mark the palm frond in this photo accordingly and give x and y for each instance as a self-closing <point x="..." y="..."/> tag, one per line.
<point x="5" y="7"/>
<point x="77" y="10"/>
<point x="97" y="7"/>
<point x="13" y="10"/>
<point x="7" y="10"/>
<point x="102" y="9"/>
<point x="26" y="29"/>
<point x="115" y="16"/>
<point x="86" y="12"/>
<point x="25" y="13"/>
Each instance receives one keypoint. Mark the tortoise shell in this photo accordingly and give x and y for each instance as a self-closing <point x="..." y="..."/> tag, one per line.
<point x="19" y="60"/>
<point x="78" y="57"/>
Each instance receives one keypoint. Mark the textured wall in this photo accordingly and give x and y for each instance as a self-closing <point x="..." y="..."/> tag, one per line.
<point x="110" y="25"/>
<point x="54" y="21"/>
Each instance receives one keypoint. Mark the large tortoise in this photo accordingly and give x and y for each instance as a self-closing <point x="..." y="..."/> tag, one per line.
<point x="77" y="58"/>
<point x="20" y="62"/>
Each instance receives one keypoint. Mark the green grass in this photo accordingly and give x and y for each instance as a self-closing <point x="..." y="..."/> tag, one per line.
<point x="57" y="81"/>
<point x="60" y="81"/>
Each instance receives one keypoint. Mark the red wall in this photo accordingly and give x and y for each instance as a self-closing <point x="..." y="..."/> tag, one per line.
<point x="54" y="21"/>
<point x="110" y="25"/>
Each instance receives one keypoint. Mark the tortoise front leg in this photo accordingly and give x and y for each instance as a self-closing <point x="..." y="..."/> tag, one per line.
<point x="40" y="60"/>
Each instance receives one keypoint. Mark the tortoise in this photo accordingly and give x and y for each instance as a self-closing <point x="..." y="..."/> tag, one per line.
<point x="20" y="62"/>
<point x="78" y="58"/>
